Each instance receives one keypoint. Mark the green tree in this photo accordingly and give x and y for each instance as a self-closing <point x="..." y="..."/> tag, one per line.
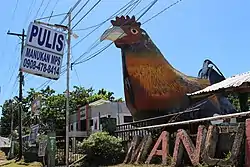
<point x="8" y="107"/>
<point x="52" y="106"/>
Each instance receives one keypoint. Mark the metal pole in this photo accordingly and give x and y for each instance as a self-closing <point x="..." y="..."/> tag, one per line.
<point x="20" y="97"/>
<point x="67" y="91"/>
<point x="11" y="129"/>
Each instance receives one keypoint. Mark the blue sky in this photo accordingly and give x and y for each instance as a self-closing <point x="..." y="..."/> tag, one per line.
<point x="186" y="34"/>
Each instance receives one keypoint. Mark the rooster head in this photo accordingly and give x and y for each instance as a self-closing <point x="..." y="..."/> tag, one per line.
<point x="125" y="31"/>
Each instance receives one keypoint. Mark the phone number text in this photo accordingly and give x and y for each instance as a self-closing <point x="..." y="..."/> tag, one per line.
<point x="43" y="67"/>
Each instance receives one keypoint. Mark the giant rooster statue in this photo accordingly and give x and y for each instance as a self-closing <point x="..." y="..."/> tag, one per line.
<point x="152" y="86"/>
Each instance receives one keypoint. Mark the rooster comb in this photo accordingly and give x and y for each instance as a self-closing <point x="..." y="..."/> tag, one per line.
<point x="120" y="21"/>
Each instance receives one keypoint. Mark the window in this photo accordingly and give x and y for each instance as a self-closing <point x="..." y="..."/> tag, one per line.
<point x="83" y="124"/>
<point x="71" y="127"/>
<point x="77" y="126"/>
<point x="128" y="119"/>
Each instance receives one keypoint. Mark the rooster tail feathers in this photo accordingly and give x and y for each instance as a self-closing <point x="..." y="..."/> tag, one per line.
<point x="211" y="72"/>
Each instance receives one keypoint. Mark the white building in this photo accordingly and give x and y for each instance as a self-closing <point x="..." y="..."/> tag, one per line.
<point x="96" y="113"/>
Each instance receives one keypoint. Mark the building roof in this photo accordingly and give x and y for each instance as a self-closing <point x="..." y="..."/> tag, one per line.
<point x="232" y="82"/>
<point x="99" y="102"/>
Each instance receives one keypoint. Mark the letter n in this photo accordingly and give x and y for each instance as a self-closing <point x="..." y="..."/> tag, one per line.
<point x="163" y="140"/>
<point x="182" y="139"/>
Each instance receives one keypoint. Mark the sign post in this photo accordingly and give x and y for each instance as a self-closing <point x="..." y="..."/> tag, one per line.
<point x="51" y="143"/>
<point x="51" y="148"/>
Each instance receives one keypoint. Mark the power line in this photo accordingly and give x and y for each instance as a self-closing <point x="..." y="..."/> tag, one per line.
<point x="94" y="54"/>
<point x="104" y="48"/>
<point x="87" y="13"/>
<point x="56" y="15"/>
<point x="96" y="25"/>
<point x="80" y="9"/>
<point x="121" y="10"/>
<point x="55" y="5"/>
<point x="150" y="6"/>
<point x="77" y="76"/>
<point x="133" y="7"/>
<point x="15" y="9"/>
<point x="45" y="8"/>
<point x="29" y="11"/>
<point x="87" y="28"/>
<point x="53" y="10"/>
<point x="71" y="10"/>
<point x="168" y="7"/>
<point x="39" y="9"/>
<point x="101" y="50"/>
<point x="99" y="24"/>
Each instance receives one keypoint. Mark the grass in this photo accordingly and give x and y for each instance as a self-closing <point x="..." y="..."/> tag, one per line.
<point x="128" y="165"/>
<point x="22" y="164"/>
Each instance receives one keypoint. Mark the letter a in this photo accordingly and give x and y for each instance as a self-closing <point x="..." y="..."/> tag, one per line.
<point x="163" y="140"/>
<point x="193" y="152"/>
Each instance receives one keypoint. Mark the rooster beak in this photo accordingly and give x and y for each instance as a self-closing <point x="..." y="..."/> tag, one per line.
<point x="113" y="34"/>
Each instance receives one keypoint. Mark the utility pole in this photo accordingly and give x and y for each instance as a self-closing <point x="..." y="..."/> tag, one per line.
<point x="68" y="28"/>
<point x="11" y="130"/>
<point x="67" y="91"/>
<point x="21" y="80"/>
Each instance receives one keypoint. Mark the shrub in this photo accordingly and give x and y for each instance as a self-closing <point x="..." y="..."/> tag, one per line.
<point x="103" y="148"/>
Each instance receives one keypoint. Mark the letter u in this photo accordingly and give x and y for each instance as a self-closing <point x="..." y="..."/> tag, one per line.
<point x="41" y="39"/>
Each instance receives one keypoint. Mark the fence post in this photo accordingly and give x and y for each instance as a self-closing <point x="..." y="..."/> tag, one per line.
<point x="247" y="146"/>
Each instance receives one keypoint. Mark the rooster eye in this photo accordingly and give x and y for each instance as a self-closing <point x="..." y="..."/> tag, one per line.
<point x="134" y="31"/>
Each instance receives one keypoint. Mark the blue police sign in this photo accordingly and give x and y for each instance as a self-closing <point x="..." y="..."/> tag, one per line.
<point x="43" y="52"/>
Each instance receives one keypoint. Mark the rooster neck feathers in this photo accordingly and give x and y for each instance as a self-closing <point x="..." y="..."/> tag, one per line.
<point x="144" y="46"/>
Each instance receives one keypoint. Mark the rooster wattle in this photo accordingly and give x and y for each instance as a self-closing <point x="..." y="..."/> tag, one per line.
<point x="152" y="86"/>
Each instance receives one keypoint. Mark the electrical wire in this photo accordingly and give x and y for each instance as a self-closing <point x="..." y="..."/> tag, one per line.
<point x="86" y="13"/>
<point x="14" y="12"/>
<point x="104" y="48"/>
<point x="168" y="7"/>
<point x="45" y="8"/>
<point x="39" y="9"/>
<point x="55" y="5"/>
<point x="70" y="11"/>
<point x="96" y="25"/>
<point x="29" y="11"/>
<point x="56" y="15"/>
<point x="94" y="54"/>
<point x="77" y="76"/>
<point x="99" y="24"/>
<point x="87" y="28"/>
<point x="133" y="7"/>
<point x="80" y="10"/>
<point x="148" y="8"/>
<point x="121" y="10"/>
